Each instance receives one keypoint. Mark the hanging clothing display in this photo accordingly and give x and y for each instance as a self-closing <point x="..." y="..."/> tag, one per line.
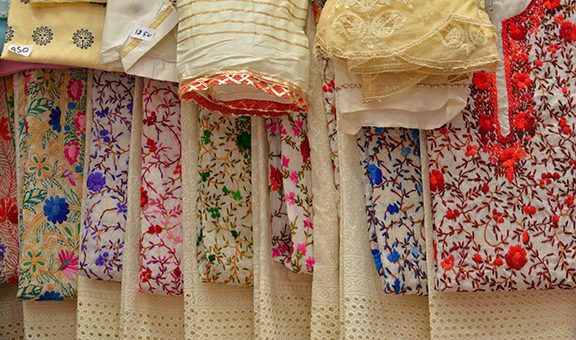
<point x="161" y="190"/>
<point x="255" y="65"/>
<point x="224" y="241"/>
<point x="66" y="34"/>
<point x="102" y="243"/>
<point x="391" y="161"/>
<point x="9" y="239"/>
<point x="140" y="38"/>
<point x="503" y="200"/>
<point x="292" y="215"/>
<point x="52" y="112"/>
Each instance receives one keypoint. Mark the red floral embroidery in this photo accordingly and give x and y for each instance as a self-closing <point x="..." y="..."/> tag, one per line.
<point x="482" y="80"/>
<point x="516" y="257"/>
<point x="436" y="180"/>
<point x="568" y="31"/>
<point x="275" y="178"/>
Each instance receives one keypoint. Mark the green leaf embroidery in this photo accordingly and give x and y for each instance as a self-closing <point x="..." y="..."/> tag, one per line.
<point x="33" y="197"/>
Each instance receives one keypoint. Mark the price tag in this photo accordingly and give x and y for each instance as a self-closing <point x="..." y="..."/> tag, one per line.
<point x="143" y="33"/>
<point x="23" y="50"/>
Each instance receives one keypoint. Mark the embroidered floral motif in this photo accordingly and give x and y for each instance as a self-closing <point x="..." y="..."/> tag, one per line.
<point x="292" y="217"/>
<point x="224" y="241"/>
<point x="391" y="159"/>
<point x="503" y="205"/>
<point x="161" y="191"/>
<point x="9" y="241"/>
<point x="42" y="35"/>
<point x="51" y="168"/>
<point x="107" y="183"/>
<point x="83" y="38"/>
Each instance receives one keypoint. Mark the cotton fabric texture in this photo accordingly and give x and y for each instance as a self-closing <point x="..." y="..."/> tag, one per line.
<point x="154" y="59"/>
<point x="520" y="183"/>
<point x="161" y="190"/>
<point x="9" y="239"/>
<point x="394" y="45"/>
<point x="106" y="188"/>
<point x="224" y="242"/>
<point x="67" y="34"/>
<point x="253" y="65"/>
<point x="51" y="132"/>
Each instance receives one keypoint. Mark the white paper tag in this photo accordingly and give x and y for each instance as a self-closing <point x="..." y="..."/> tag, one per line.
<point x="23" y="50"/>
<point x="143" y="33"/>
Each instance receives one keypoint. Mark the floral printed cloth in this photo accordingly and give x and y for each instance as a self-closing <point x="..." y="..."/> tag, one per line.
<point x="52" y="116"/>
<point x="504" y="204"/>
<point x="107" y="182"/>
<point x="224" y="243"/>
<point x="161" y="191"/>
<point x="292" y="217"/>
<point x="391" y="159"/>
<point x="9" y="241"/>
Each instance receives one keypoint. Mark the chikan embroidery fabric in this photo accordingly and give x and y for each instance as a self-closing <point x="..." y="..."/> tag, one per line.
<point x="394" y="45"/>
<point x="393" y="189"/>
<point x="292" y="215"/>
<point x="9" y="240"/>
<point x="161" y="191"/>
<point x="252" y="78"/>
<point x="52" y="124"/>
<point x="224" y="239"/>
<point x="503" y="205"/>
<point x="105" y="217"/>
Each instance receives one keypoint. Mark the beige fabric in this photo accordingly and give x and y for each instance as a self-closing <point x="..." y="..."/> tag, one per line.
<point x="50" y="320"/>
<point x="505" y="315"/>
<point x="366" y="312"/>
<point x="55" y="2"/>
<point x="211" y="311"/>
<point x="420" y="107"/>
<point x="155" y="59"/>
<point x="11" y="320"/>
<point x="143" y="315"/>
<point x="68" y="34"/>
<point x="394" y="45"/>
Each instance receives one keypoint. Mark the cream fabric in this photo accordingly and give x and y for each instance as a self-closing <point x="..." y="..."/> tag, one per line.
<point x="420" y="107"/>
<point x="155" y="59"/>
<point x="50" y="320"/>
<point x="211" y="311"/>
<point x="67" y="34"/>
<point x="394" y="45"/>
<point x="143" y="315"/>
<point x="11" y="319"/>
<point x="51" y="2"/>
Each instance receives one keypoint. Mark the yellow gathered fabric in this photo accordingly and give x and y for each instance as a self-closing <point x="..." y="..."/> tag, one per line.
<point x="393" y="45"/>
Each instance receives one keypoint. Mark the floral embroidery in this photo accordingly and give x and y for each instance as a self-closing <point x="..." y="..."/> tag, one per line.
<point x="391" y="159"/>
<point x="51" y="170"/>
<point x="9" y="241"/>
<point x="161" y="240"/>
<point x="83" y="38"/>
<point x="292" y="217"/>
<point x="42" y="35"/>
<point x="224" y="241"/>
<point x="503" y="206"/>
<point x="107" y="183"/>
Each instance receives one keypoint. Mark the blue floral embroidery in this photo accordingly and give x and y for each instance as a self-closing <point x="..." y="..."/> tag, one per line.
<point x="56" y="209"/>
<point x="55" y="119"/>
<point x="50" y="295"/>
<point x="96" y="181"/>
<point x="391" y="160"/>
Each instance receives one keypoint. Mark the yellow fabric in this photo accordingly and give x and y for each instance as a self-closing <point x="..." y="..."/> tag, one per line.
<point x="50" y="2"/>
<point x="394" y="45"/>
<point x="66" y="34"/>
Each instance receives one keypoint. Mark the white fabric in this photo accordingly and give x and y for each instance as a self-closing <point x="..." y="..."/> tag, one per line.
<point x="155" y="59"/>
<point x="419" y="107"/>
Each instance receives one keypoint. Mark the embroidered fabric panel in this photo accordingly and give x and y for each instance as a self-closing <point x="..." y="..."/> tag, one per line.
<point x="107" y="183"/>
<point x="161" y="191"/>
<point x="504" y="212"/>
<point x="51" y="138"/>
<point x="329" y="90"/>
<point x="292" y="217"/>
<point x="395" y="207"/>
<point x="9" y="241"/>
<point x="224" y="240"/>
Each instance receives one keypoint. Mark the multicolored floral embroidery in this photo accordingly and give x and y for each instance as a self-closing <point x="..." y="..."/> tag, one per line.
<point x="504" y="206"/>
<point x="224" y="241"/>
<point x="52" y="113"/>
<point x="391" y="159"/>
<point x="107" y="183"/>
<point x="9" y="241"/>
<point x="292" y="217"/>
<point x="161" y="191"/>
